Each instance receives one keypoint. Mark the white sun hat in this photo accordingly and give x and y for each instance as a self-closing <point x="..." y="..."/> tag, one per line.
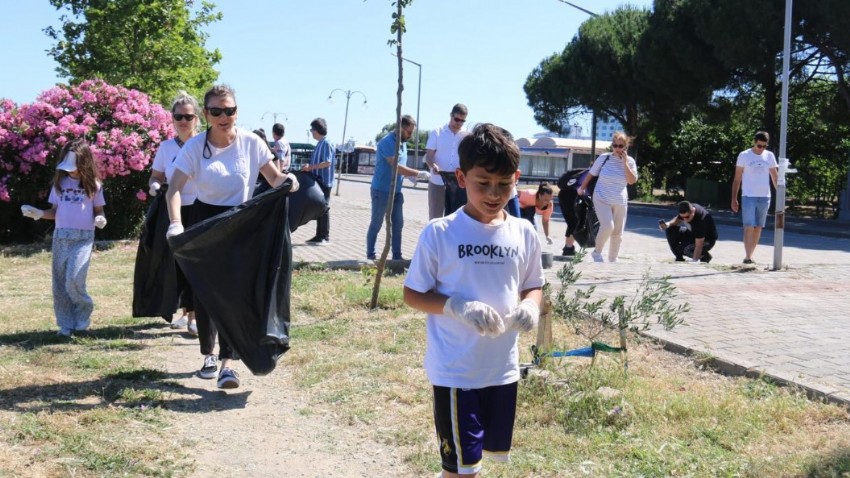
<point x="69" y="163"/>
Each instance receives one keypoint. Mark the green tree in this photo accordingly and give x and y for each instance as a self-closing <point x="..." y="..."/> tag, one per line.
<point x="596" y="70"/>
<point x="153" y="46"/>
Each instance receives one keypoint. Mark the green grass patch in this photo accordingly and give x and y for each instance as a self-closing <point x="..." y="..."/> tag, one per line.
<point x="100" y="404"/>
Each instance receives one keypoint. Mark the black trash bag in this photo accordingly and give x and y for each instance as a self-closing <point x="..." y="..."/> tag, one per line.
<point x="155" y="289"/>
<point x="308" y="203"/>
<point x="239" y="264"/>
<point x="588" y="227"/>
<point x="455" y="195"/>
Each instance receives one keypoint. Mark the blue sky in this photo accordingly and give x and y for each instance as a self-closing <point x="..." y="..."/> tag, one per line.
<point x="286" y="57"/>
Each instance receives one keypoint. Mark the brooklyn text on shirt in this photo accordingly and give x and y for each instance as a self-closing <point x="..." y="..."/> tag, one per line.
<point x="487" y="250"/>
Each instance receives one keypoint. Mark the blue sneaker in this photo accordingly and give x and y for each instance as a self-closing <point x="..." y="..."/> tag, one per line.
<point x="228" y="378"/>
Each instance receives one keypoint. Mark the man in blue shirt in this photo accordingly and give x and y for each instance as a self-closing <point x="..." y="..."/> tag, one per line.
<point x="385" y="160"/>
<point x="322" y="166"/>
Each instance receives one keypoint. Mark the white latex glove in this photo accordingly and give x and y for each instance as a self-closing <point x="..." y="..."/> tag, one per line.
<point x="412" y="179"/>
<point x="423" y="176"/>
<point x="174" y="229"/>
<point x="694" y="261"/>
<point x="479" y="315"/>
<point x="32" y="212"/>
<point x="580" y="191"/>
<point x="548" y="240"/>
<point x="524" y="317"/>
<point x="99" y="221"/>
<point x="295" y="184"/>
<point x="154" y="189"/>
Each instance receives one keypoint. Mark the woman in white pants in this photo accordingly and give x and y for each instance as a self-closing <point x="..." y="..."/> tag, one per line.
<point x="613" y="173"/>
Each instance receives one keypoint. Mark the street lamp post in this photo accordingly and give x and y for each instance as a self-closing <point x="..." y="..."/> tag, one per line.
<point x="348" y="95"/>
<point x="418" y="97"/>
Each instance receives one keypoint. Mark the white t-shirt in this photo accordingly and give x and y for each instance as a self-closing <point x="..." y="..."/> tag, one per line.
<point x="281" y="147"/>
<point x="164" y="162"/>
<point x="755" y="182"/>
<point x="444" y="142"/>
<point x="228" y="177"/>
<point x="611" y="185"/>
<point x="459" y="256"/>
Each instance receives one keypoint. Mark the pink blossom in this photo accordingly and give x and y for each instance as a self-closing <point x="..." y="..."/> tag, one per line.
<point x="123" y="128"/>
<point x="141" y="196"/>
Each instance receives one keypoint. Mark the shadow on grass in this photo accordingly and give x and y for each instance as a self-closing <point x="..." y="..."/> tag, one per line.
<point x="130" y="389"/>
<point x="830" y="465"/>
<point x="29" y="340"/>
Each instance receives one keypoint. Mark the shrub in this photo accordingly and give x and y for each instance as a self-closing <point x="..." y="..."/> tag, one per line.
<point x="123" y="128"/>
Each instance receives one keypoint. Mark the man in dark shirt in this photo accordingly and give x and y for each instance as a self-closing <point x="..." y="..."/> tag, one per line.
<point x="691" y="233"/>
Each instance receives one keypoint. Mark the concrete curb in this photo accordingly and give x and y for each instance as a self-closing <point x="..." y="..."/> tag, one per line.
<point x="737" y="369"/>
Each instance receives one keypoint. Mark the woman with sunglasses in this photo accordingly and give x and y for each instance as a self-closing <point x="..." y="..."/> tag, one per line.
<point x="184" y="116"/>
<point x="224" y="162"/>
<point x="615" y="170"/>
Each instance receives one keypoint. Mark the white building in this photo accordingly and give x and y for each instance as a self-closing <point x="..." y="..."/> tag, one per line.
<point x="551" y="157"/>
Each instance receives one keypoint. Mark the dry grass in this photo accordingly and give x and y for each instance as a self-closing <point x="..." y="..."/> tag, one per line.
<point x="101" y="405"/>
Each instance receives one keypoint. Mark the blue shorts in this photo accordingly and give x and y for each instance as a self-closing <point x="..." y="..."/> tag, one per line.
<point x="754" y="211"/>
<point x="472" y="422"/>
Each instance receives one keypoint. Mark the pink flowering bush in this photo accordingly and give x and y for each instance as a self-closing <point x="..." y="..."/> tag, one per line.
<point x="123" y="128"/>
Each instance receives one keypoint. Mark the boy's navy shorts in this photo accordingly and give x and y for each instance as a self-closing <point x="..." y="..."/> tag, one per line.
<point x="473" y="422"/>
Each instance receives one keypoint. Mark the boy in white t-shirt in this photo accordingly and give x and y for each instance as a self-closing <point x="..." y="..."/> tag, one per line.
<point x="469" y="272"/>
<point x="755" y="169"/>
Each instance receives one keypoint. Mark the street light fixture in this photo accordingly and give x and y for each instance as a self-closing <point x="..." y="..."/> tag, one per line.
<point x="418" y="96"/>
<point x="274" y="114"/>
<point x="348" y="95"/>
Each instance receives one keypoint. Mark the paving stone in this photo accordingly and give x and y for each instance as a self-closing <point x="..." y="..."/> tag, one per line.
<point x="790" y="323"/>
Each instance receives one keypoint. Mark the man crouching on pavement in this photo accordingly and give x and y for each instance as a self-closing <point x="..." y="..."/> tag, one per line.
<point x="691" y="233"/>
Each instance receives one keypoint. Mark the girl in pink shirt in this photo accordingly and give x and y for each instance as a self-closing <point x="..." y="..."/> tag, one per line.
<point x="77" y="207"/>
<point x="540" y="202"/>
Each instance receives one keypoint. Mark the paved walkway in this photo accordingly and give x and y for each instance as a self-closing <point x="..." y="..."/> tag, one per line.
<point x="790" y="325"/>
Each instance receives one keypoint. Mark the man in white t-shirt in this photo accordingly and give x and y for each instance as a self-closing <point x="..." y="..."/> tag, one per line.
<point x="441" y="155"/>
<point x="282" y="151"/>
<point x="755" y="169"/>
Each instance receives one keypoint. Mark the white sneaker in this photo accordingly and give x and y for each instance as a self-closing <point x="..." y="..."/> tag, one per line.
<point x="193" y="329"/>
<point x="180" y="323"/>
<point x="597" y="257"/>
<point x="210" y="367"/>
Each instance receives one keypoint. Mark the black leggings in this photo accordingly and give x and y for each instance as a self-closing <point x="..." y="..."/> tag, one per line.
<point x="206" y="328"/>
<point x="567" y="201"/>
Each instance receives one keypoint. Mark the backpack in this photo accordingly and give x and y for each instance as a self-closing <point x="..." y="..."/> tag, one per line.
<point x="575" y="177"/>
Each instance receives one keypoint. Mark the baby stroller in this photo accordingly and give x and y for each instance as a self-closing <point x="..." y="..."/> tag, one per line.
<point x="578" y="208"/>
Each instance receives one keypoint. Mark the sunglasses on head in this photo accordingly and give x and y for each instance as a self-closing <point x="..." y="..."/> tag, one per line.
<point x="458" y="120"/>
<point x="618" y="146"/>
<point x="218" y="111"/>
<point x="183" y="117"/>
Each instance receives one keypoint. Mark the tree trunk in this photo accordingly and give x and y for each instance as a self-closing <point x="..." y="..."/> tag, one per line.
<point x="382" y="262"/>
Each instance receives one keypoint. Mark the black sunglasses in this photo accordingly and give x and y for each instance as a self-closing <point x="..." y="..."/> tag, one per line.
<point x="686" y="216"/>
<point x="218" y="111"/>
<point x="458" y="120"/>
<point x="761" y="146"/>
<point x="618" y="146"/>
<point x="182" y="117"/>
